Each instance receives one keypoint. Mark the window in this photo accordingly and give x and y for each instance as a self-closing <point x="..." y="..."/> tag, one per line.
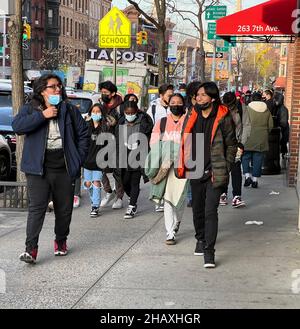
<point x="71" y="27"/>
<point x="64" y="26"/>
<point x="50" y="17"/>
<point x="67" y="26"/>
<point x="284" y="51"/>
<point x="75" y="30"/>
<point x="282" y="70"/>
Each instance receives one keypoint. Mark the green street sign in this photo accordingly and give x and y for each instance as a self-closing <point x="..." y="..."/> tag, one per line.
<point x="211" y="31"/>
<point x="222" y="49"/>
<point x="1" y="50"/>
<point x="215" y="12"/>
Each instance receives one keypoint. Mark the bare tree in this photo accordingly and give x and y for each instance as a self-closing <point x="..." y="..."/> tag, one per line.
<point x="195" y="18"/>
<point x="160" y="24"/>
<point x="15" y="29"/>
<point x="239" y="53"/>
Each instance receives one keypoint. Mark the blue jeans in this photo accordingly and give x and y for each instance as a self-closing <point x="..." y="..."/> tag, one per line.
<point x="256" y="158"/>
<point x="189" y="192"/>
<point x="95" y="191"/>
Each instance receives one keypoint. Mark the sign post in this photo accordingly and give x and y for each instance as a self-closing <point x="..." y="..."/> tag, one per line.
<point x="114" y="32"/>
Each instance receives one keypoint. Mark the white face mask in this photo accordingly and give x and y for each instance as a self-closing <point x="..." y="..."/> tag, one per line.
<point x="130" y="117"/>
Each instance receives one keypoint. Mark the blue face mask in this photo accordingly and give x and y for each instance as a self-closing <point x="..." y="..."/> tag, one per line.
<point x="96" y="117"/>
<point x="183" y="93"/>
<point x="130" y="117"/>
<point x="54" y="99"/>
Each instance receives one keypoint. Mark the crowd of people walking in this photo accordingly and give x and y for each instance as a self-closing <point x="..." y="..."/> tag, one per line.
<point x="186" y="146"/>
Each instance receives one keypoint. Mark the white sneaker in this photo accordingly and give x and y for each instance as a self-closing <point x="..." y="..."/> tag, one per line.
<point x="107" y="199"/>
<point x="118" y="204"/>
<point x="76" y="201"/>
<point x="159" y="208"/>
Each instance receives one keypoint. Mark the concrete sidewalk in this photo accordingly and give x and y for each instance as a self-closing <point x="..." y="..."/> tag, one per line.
<point x="117" y="263"/>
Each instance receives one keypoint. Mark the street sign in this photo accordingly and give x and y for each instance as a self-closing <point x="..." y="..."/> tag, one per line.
<point x="114" y="30"/>
<point x="172" y="51"/>
<point x="211" y="31"/>
<point x="215" y="12"/>
<point x="210" y="54"/>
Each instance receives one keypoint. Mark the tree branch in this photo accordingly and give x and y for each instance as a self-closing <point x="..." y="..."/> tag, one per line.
<point x="149" y="18"/>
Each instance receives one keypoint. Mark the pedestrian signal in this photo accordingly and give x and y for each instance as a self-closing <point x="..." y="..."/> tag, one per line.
<point x="26" y="31"/>
<point x="144" y="37"/>
<point x="139" y="38"/>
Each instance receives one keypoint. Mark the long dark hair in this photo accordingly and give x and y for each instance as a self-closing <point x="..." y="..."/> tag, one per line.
<point x="211" y="90"/>
<point x="40" y="85"/>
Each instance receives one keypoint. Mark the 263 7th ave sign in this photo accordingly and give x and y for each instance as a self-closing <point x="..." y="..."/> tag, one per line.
<point x="114" y="30"/>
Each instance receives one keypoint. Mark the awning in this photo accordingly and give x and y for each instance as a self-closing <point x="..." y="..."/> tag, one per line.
<point x="270" y="18"/>
<point x="280" y="83"/>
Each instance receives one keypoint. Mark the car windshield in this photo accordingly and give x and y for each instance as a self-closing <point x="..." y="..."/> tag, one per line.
<point x="5" y="99"/>
<point x="83" y="104"/>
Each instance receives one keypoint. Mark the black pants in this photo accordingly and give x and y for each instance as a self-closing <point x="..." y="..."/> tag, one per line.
<point x="131" y="184"/>
<point x="61" y="186"/>
<point x="205" y="202"/>
<point x="236" y="179"/>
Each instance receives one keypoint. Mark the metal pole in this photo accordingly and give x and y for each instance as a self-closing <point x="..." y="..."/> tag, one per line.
<point x="4" y="46"/>
<point x="115" y="67"/>
<point x="229" y="69"/>
<point x="213" y="69"/>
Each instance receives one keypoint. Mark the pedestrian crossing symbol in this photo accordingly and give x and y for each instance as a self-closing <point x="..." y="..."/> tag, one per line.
<point x="114" y="30"/>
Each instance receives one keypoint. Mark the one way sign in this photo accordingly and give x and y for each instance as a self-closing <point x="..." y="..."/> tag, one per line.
<point x="210" y="54"/>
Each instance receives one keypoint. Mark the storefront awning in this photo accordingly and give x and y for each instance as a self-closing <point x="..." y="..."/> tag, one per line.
<point x="272" y="18"/>
<point x="280" y="83"/>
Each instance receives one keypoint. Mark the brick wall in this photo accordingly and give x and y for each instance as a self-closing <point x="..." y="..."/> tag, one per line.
<point x="289" y="80"/>
<point x="295" y="118"/>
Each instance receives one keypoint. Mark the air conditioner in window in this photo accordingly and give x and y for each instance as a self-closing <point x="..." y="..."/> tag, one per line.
<point x="68" y="33"/>
<point x="36" y="22"/>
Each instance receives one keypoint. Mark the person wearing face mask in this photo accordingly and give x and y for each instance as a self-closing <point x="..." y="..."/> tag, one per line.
<point x="267" y="97"/>
<point x="165" y="141"/>
<point x="133" y="123"/>
<point x="229" y="99"/>
<point x="54" y="150"/>
<point x="111" y="102"/>
<point x="159" y="109"/>
<point x="128" y="97"/>
<point x="97" y="123"/>
<point x="213" y="120"/>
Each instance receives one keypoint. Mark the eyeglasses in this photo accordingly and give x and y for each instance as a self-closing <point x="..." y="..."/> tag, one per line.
<point x="54" y="87"/>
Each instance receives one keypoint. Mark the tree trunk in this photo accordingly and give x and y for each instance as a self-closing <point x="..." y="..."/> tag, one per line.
<point x="161" y="57"/>
<point x="201" y="48"/>
<point x="15" y="30"/>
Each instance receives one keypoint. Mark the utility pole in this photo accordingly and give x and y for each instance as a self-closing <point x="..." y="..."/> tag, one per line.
<point x="239" y="5"/>
<point x="4" y="46"/>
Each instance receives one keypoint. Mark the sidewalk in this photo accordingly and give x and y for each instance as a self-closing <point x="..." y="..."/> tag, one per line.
<point x="117" y="263"/>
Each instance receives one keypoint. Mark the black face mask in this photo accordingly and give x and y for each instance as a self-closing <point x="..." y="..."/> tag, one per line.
<point x="264" y="99"/>
<point x="105" y="98"/>
<point x="177" y="109"/>
<point x="202" y="107"/>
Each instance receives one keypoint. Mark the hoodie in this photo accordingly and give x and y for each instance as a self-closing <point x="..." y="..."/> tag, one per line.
<point x="257" y="123"/>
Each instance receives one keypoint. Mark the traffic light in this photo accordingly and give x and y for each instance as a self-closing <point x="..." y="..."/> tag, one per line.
<point x="139" y="38"/>
<point x="144" y="38"/>
<point x="26" y="31"/>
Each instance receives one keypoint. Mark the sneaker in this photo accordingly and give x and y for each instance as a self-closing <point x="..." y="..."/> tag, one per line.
<point x="176" y="229"/>
<point x="209" y="260"/>
<point x="118" y="204"/>
<point x="237" y="202"/>
<point x="94" y="212"/>
<point x="29" y="257"/>
<point x="130" y="212"/>
<point x="60" y="248"/>
<point x="248" y="182"/>
<point x="223" y="200"/>
<point x="76" y="201"/>
<point x="170" y="242"/>
<point x="254" y="184"/>
<point x="199" y="250"/>
<point x="159" y="208"/>
<point x="107" y="199"/>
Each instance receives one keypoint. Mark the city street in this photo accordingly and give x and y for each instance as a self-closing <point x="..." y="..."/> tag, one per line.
<point x="125" y="264"/>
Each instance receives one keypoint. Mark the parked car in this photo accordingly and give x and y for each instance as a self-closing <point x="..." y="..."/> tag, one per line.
<point x="83" y="100"/>
<point x="5" y="159"/>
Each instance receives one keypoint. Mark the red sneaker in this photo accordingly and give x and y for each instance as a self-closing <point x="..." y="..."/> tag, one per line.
<point x="29" y="257"/>
<point x="60" y="248"/>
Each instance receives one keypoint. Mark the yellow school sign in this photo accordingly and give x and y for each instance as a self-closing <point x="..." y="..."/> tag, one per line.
<point x="114" y="30"/>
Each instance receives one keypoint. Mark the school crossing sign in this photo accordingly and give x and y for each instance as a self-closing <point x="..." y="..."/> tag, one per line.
<point x="114" y="30"/>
